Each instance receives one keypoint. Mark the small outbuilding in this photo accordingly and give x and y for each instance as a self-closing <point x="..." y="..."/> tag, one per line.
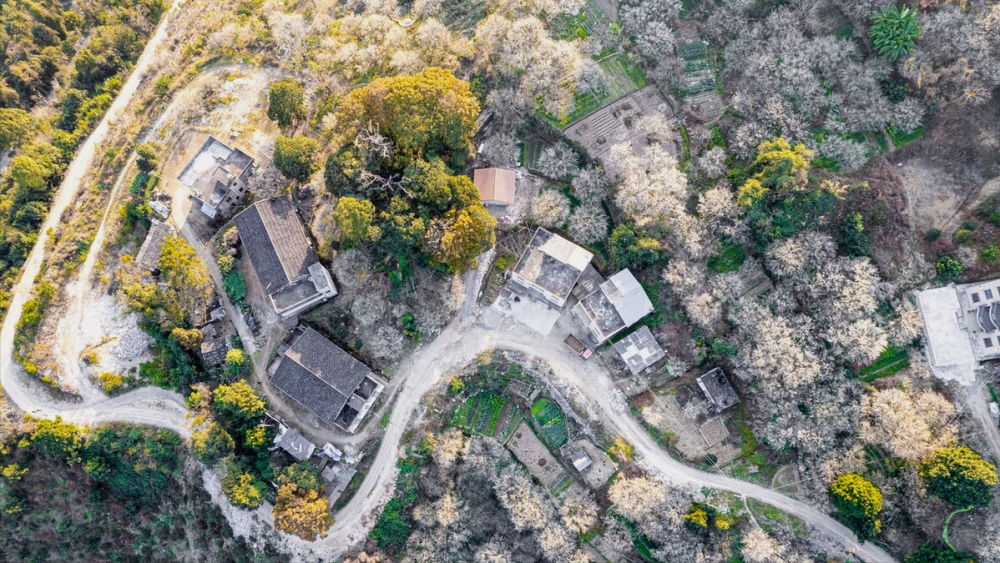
<point x="294" y="443"/>
<point x="718" y="390"/>
<point x="148" y="257"/>
<point x="639" y="350"/>
<point x="496" y="185"/>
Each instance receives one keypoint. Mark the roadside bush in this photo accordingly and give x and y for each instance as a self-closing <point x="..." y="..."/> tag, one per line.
<point x="392" y="528"/>
<point x="860" y="502"/>
<point x="960" y="476"/>
<point x="930" y="554"/>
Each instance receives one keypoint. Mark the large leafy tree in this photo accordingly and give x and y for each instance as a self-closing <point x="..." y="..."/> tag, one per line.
<point x="860" y="502"/>
<point x="427" y="114"/>
<point x="239" y="404"/>
<point x="354" y="221"/>
<point x="286" y="102"/>
<point x="465" y="234"/>
<point x="212" y="443"/>
<point x="960" y="476"/>
<point x="894" y="31"/>
<point x="301" y="512"/>
<point x="295" y="157"/>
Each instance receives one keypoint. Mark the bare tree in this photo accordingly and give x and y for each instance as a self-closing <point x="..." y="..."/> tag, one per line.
<point x="558" y="161"/>
<point x="588" y="224"/>
<point x="637" y="498"/>
<point x="759" y="547"/>
<point x="650" y="187"/>
<point x="590" y="185"/>
<point x="909" y="423"/>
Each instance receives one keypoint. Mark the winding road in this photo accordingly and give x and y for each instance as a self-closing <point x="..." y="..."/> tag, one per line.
<point x="456" y="346"/>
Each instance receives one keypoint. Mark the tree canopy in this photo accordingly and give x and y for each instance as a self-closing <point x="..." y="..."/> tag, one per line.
<point x="301" y="512"/>
<point x="960" y="476"/>
<point x="16" y="125"/>
<point x="860" y="502"/>
<point x="239" y="404"/>
<point x="295" y="157"/>
<point x="894" y="31"/>
<point x="286" y="102"/>
<point x="427" y="114"/>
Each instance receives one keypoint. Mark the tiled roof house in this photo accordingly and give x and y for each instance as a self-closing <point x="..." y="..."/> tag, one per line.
<point x="282" y="257"/>
<point x="326" y="380"/>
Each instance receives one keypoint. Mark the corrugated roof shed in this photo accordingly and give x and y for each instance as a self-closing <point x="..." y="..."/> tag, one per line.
<point x="148" y="257"/>
<point x="627" y="296"/>
<point x="718" y="390"/>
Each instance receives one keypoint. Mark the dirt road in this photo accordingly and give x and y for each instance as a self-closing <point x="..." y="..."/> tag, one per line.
<point x="27" y="397"/>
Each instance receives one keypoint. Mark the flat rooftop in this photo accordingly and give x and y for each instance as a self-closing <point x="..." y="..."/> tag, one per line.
<point x="639" y="350"/>
<point x="948" y="341"/>
<point x="552" y="263"/>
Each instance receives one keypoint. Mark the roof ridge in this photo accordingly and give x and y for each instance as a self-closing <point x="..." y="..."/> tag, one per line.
<point x="281" y="259"/>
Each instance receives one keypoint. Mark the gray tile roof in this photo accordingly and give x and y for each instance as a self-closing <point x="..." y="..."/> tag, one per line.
<point x="275" y="242"/>
<point x="295" y="444"/>
<point x="319" y="375"/>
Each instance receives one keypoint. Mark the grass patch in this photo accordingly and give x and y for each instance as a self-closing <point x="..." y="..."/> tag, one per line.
<point x="665" y="440"/>
<point x="993" y="392"/>
<point x="777" y="515"/>
<point x="729" y="258"/>
<point x="891" y="361"/>
<point x="900" y="140"/>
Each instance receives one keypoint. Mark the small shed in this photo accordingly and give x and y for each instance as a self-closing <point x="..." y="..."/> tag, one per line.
<point x="580" y="459"/>
<point x="148" y="257"/>
<point x="213" y="352"/>
<point x="294" y="443"/>
<point x="718" y="390"/>
<point x="495" y="185"/>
